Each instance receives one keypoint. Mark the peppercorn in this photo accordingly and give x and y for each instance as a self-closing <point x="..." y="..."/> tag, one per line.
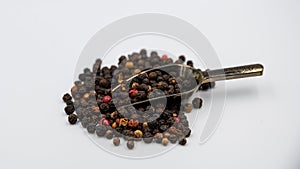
<point x="145" y="124"/>
<point x="129" y="64"/>
<point x="173" y="138"/>
<point x="138" y="133"/>
<point x="188" y="132"/>
<point x="133" y="93"/>
<point x="69" y="109"/>
<point x="197" y="103"/>
<point x="164" y="57"/>
<point x="182" y="57"/>
<point x="167" y="134"/>
<point x="121" y="59"/>
<point x="69" y="102"/>
<point x="190" y="63"/>
<point x="123" y="122"/>
<point x="158" y="137"/>
<point x="137" y="71"/>
<point x="100" y="131"/>
<point x="165" y="141"/>
<point x="135" y="85"/>
<point x="67" y="97"/>
<point x="188" y="107"/>
<point x="152" y="75"/>
<point x="109" y="134"/>
<point x="182" y="141"/>
<point x="116" y="141"/>
<point x="104" y="107"/>
<point x="114" y="125"/>
<point x="72" y="118"/>
<point x="130" y="144"/>
<point x="106" y="99"/>
<point x="91" y="128"/>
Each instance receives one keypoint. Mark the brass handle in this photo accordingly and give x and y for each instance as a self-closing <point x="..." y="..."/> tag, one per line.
<point x="233" y="73"/>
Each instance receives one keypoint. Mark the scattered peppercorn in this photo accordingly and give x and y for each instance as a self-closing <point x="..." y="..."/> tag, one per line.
<point x="91" y="128"/>
<point x="67" y="97"/>
<point x="116" y="141"/>
<point x="72" y="118"/>
<point x="69" y="109"/>
<point x="165" y="141"/>
<point x="181" y="57"/>
<point x="182" y="141"/>
<point x="109" y="134"/>
<point x="100" y="131"/>
<point x="130" y="144"/>
<point x="197" y="103"/>
<point x="188" y="107"/>
<point x="190" y="63"/>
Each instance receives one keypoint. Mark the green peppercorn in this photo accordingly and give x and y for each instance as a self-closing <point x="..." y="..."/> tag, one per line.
<point x="72" y="118"/>
<point x="116" y="141"/>
<point x="197" y="103"/>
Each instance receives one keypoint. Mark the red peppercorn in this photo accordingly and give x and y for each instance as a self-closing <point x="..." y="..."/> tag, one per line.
<point x="133" y="92"/>
<point x="177" y="119"/>
<point x="104" y="121"/>
<point x="106" y="99"/>
<point x="164" y="57"/>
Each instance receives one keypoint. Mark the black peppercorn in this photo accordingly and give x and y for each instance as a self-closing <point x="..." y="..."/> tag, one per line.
<point x="69" y="109"/>
<point x="173" y="138"/>
<point x="152" y="75"/>
<point x="72" y="118"/>
<point x="100" y="131"/>
<point x="197" y="103"/>
<point x="121" y="59"/>
<point x="104" y="107"/>
<point x="67" y="97"/>
<point x="116" y="141"/>
<point x="190" y="63"/>
<point x="182" y="141"/>
<point x="182" y="58"/>
<point x="70" y="102"/>
<point x="188" y="107"/>
<point x="130" y="144"/>
<point x="148" y="138"/>
<point x="109" y="134"/>
<point x="188" y="133"/>
<point x="91" y="128"/>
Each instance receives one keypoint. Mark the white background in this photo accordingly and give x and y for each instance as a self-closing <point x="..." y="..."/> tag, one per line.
<point x="41" y="41"/>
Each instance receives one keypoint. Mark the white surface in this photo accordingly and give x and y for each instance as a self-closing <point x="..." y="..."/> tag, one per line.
<point x="42" y="40"/>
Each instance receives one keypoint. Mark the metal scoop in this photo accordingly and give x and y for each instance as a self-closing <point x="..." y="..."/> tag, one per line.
<point x="202" y="77"/>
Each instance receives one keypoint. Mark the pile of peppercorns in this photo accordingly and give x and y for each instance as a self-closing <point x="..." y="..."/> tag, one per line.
<point x="111" y="115"/>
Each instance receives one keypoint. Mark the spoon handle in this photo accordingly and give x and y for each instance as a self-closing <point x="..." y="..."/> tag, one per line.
<point x="233" y="73"/>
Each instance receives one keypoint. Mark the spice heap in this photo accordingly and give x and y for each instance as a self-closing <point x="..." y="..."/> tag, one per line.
<point x="109" y="114"/>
